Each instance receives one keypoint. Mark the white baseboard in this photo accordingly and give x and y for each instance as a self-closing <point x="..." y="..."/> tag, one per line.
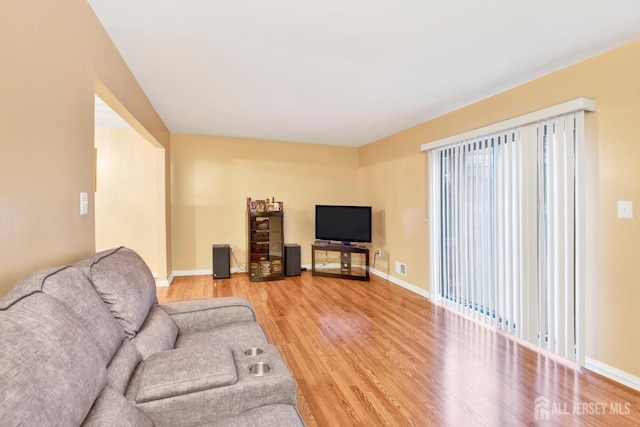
<point x="163" y="283"/>
<point x="413" y="288"/>
<point x="178" y="273"/>
<point x="612" y="373"/>
<point x="207" y="272"/>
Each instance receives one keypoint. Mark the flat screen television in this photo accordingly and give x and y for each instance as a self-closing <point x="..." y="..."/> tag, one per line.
<point x="343" y="223"/>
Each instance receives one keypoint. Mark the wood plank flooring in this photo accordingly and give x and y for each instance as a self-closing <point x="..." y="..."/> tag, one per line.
<point x="375" y="354"/>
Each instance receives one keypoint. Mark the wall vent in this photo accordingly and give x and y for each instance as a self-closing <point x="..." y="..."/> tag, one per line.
<point x="401" y="268"/>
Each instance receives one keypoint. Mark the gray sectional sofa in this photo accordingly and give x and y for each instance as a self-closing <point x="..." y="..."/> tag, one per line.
<point x="89" y="345"/>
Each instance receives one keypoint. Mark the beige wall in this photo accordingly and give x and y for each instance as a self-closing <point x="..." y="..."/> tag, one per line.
<point x="394" y="185"/>
<point x="613" y="245"/>
<point x="127" y="208"/>
<point x="213" y="176"/>
<point x="52" y="53"/>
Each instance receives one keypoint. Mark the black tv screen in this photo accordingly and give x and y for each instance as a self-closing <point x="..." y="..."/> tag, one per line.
<point x="343" y="223"/>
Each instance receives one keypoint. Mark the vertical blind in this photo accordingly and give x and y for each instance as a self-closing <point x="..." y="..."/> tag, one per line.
<point x="504" y="210"/>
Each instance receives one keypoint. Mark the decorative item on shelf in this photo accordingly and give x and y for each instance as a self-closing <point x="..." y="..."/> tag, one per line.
<point x="266" y="205"/>
<point x="265" y="268"/>
<point x="270" y="204"/>
<point x="276" y="267"/>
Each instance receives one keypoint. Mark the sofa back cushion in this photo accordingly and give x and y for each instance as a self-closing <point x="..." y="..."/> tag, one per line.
<point x="51" y="370"/>
<point x="121" y="368"/>
<point x="125" y="284"/>
<point x="74" y="290"/>
<point x="158" y="333"/>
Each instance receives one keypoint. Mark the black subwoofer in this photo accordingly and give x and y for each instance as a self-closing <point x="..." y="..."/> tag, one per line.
<point x="292" y="260"/>
<point x="221" y="261"/>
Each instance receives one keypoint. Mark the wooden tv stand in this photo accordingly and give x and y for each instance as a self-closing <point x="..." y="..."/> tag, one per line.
<point x="347" y="261"/>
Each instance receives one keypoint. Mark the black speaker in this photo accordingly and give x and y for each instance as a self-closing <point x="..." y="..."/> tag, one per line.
<point x="221" y="261"/>
<point x="292" y="260"/>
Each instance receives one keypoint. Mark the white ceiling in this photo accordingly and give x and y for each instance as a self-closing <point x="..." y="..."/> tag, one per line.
<point x="105" y="117"/>
<point x="346" y="72"/>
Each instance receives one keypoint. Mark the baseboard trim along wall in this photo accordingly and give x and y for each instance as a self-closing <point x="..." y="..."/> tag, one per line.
<point x="612" y="373"/>
<point x="163" y="283"/>
<point x="179" y="273"/>
<point x="395" y="280"/>
<point x="207" y="272"/>
<point x="413" y="288"/>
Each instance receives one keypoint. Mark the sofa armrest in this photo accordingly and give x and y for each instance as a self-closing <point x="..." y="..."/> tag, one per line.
<point x="205" y="314"/>
<point x="185" y="370"/>
<point x="192" y="401"/>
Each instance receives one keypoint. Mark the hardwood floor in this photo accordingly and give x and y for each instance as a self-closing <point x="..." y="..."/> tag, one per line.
<point x="375" y="354"/>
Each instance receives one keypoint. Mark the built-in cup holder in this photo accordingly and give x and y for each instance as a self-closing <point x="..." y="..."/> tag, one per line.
<point x="259" y="368"/>
<point x="253" y="351"/>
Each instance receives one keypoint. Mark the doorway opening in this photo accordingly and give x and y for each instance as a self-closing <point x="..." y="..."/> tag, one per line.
<point x="129" y="190"/>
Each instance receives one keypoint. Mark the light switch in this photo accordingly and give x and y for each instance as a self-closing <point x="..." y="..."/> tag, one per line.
<point x="84" y="204"/>
<point x="625" y="209"/>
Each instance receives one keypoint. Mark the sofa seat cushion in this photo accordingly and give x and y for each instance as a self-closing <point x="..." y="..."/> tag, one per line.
<point x="183" y="371"/>
<point x="240" y="335"/>
<point x="125" y="283"/>
<point x="113" y="409"/>
<point x="264" y="416"/>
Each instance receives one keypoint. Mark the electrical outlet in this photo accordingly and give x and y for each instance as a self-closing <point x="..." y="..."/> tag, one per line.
<point x="378" y="251"/>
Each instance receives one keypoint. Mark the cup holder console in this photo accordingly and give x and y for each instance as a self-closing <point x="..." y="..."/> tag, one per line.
<point x="253" y="351"/>
<point x="260" y="368"/>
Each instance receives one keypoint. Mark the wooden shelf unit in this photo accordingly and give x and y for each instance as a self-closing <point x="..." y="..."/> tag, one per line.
<point x="266" y="246"/>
